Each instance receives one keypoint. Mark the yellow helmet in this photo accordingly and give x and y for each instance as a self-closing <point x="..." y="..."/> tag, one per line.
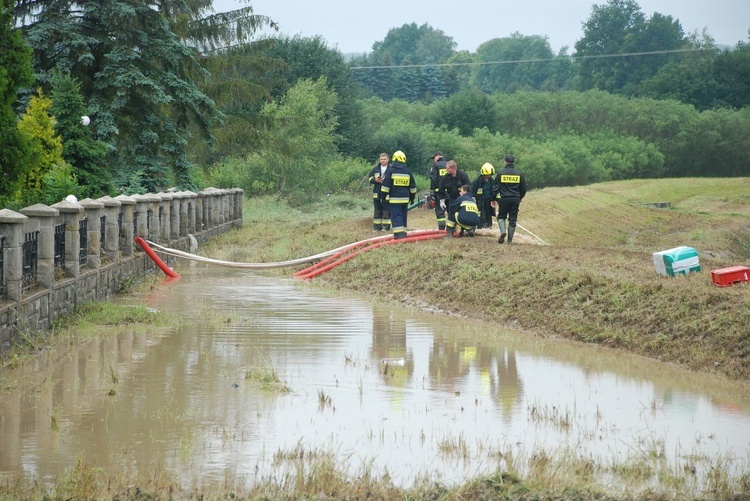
<point x="399" y="157"/>
<point x="487" y="169"/>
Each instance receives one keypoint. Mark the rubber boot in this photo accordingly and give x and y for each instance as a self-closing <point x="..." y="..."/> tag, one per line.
<point x="501" y="224"/>
<point x="511" y="231"/>
<point x="441" y="225"/>
<point x="450" y="230"/>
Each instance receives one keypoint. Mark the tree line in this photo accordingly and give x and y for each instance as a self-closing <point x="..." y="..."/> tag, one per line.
<point x="621" y="52"/>
<point x="179" y="95"/>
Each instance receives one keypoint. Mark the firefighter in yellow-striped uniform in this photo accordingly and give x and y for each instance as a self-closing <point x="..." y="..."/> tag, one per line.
<point x="463" y="214"/>
<point x="381" y="219"/>
<point x="399" y="189"/>
<point x="437" y="171"/>
<point x="482" y="190"/>
<point x="510" y="188"/>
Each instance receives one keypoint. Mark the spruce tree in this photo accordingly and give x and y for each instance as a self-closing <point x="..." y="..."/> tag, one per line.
<point x="15" y="73"/>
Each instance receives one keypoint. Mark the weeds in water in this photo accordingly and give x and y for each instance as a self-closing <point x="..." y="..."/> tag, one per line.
<point x="324" y="400"/>
<point x="559" y="418"/>
<point x="54" y="422"/>
<point x="454" y="447"/>
<point x="267" y="379"/>
<point x="313" y="473"/>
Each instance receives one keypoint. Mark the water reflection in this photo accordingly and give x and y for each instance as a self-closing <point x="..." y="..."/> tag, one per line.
<point x="450" y="399"/>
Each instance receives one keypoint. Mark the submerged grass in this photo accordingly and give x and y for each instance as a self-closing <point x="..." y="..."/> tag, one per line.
<point x="303" y="473"/>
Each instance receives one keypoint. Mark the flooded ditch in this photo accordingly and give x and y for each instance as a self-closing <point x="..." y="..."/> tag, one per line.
<point x="265" y="372"/>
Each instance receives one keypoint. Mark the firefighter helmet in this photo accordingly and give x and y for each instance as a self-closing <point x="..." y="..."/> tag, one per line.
<point x="487" y="169"/>
<point x="399" y="157"/>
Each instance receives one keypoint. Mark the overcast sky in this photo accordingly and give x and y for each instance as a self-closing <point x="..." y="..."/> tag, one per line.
<point x="354" y="25"/>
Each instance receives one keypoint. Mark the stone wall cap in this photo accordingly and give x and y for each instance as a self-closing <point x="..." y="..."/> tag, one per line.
<point x="125" y="199"/>
<point x="165" y="195"/>
<point x="40" y="210"/>
<point x="11" y="216"/>
<point x="90" y="203"/>
<point x="66" y="207"/>
<point x="109" y="201"/>
<point x="148" y="197"/>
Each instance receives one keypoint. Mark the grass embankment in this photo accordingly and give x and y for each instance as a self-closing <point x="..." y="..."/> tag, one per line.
<point x="595" y="281"/>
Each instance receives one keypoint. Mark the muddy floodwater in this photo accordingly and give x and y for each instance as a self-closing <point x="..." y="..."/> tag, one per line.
<point x="378" y="388"/>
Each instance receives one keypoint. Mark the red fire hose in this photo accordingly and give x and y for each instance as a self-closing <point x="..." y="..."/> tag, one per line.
<point x="355" y="249"/>
<point x="161" y="264"/>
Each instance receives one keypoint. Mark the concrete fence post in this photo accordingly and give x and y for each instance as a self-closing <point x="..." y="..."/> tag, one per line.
<point x="164" y="210"/>
<point x="175" y="216"/>
<point x="112" y="219"/>
<point x="127" y="229"/>
<point x="11" y="227"/>
<point x="71" y="214"/>
<point x="93" y="211"/>
<point x="192" y="206"/>
<point x="46" y="243"/>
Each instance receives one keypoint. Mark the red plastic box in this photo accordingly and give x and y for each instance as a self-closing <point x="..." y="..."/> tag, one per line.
<point x="726" y="277"/>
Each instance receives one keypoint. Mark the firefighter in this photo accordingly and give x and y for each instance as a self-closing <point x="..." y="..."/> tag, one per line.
<point x="436" y="173"/>
<point x="381" y="220"/>
<point x="464" y="213"/>
<point x="399" y="188"/>
<point x="450" y="183"/>
<point x="481" y="188"/>
<point x="510" y="188"/>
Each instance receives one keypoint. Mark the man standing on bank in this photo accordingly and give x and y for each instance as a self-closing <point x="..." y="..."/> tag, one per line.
<point x="450" y="183"/>
<point x="381" y="220"/>
<point x="510" y="188"/>
<point x="399" y="188"/>
<point x="437" y="171"/>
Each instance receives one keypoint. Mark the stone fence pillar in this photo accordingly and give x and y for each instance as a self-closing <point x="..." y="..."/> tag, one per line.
<point x="175" y="216"/>
<point x="127" y="226"/>
<point x="93" y="211"/>
<point x="112" y="220"/>
<point x="191" y="205"/>
<point x="11" y="226"/>
<point x="164" y="208"/>
<point x="46" y="216"/>
<point x="141" y="216"/>
<point x="71" y="214"/>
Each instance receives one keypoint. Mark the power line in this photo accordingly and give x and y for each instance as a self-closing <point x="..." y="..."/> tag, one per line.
<point x="545" y="60"/>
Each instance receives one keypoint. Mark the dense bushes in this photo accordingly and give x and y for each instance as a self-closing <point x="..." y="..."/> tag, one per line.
<point x="559" y="139"/>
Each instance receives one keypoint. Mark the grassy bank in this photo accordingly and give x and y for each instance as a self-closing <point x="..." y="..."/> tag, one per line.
<point x="586" y="273"/>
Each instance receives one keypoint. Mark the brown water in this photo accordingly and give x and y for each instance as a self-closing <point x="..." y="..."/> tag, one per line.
<point x="376" y="387"/>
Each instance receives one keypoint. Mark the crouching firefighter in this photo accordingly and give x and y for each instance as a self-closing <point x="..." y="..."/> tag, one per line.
<point x="463" y="213"/>
<point x="399" y="189"/>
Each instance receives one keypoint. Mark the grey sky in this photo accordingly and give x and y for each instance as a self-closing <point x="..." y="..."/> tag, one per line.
<point x="353" y="26"/>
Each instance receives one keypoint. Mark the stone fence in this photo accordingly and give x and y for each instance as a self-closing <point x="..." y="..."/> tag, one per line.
<point x="54" y="258"/>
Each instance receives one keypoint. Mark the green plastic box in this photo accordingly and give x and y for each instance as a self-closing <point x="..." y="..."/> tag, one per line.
<point x="678" y="261"/>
